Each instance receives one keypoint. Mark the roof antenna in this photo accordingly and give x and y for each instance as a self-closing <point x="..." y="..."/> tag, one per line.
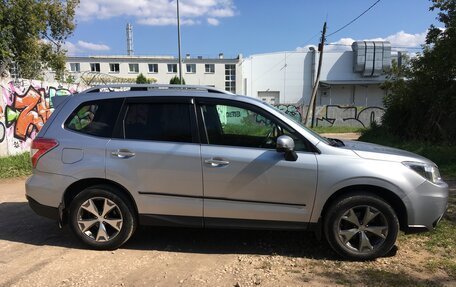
<point x="129" y="39"/>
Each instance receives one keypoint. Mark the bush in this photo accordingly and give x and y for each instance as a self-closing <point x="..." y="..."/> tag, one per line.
<point x="176" y="81"/>
<point x="421" y="95"/>
<point x="140" y="79"/>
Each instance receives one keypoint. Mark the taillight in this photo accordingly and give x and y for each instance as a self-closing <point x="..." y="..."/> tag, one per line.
<point x="40" y="146"/>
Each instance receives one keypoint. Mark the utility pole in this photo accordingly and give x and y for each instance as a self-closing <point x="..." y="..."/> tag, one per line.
<point x="179" y="43"/>
<point x="317" y="81"/>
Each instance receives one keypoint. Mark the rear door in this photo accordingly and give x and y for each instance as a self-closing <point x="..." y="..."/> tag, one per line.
<point x="157" y="156"/>
<point x="246" y="181"/>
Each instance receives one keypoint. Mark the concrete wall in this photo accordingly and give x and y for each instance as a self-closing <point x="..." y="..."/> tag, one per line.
<point x="289" y="73"/>
<point x="292" y="74"/>
<point x="354" y="95"/>
<point x="25" y="106"/>
<point x="335" y="115"/>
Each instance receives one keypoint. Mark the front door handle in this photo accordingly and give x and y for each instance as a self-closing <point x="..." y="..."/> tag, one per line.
<point x="215" y="162"/>
<point x="123" y="153"/>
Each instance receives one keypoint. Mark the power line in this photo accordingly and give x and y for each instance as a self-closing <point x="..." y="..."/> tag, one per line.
<point x="346" y="25"/>
<point x="310" y="39"/>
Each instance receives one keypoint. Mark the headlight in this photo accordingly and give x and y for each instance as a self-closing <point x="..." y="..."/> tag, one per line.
<point x="429" y="172"/>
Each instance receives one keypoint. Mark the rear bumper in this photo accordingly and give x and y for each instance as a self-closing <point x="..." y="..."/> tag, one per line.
<point x="43" y="210"/>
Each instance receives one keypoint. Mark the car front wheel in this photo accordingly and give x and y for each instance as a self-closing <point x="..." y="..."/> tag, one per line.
<point x="361" y="227"/>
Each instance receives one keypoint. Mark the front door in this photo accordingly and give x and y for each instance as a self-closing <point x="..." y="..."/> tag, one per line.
<point x="245" y="179"/>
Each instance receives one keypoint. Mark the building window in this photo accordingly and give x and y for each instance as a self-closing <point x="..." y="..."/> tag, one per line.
<point x="133" y="68"/>
<point x="114" y="68"/>
<point x="230" y="78"/>
<point x="153" y="68"/>
<point x="95" y="67"/>
<point x="209" y="68"/>
<point x="172" y="68"/>
<point x="75" y="67"/>
<point x="191" y="68"/>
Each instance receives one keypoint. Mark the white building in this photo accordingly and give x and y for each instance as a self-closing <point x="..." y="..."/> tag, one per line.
<point x="347" y="78"/>
<point x="222" y="73"/>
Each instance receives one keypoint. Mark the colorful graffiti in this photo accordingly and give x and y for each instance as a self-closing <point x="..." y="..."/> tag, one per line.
<point x="24" y="109"/>
<point x="28" y="112"/>
<point x="334" y="115"/>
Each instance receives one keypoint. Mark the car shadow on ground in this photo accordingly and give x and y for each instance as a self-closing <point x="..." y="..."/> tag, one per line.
<point x="18" y="223"/>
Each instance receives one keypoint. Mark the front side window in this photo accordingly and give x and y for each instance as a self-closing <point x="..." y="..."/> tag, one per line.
<point x="95" y="67"/>
<point x="172" y="68"/>
<point x="236" y="126"/>
<point x="158" y="122"/>
<point x="95" y="117"/>
<point x="133" y="68"/>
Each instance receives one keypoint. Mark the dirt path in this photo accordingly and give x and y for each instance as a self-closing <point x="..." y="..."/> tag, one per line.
<point x="34" y="252"/>
<point x="342" y="136"/>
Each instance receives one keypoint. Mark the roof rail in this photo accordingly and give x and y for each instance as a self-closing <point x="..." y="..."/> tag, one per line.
<point x="149" y="87"/>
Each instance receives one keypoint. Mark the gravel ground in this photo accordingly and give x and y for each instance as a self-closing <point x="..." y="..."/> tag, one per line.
<point x="34" y="252"/>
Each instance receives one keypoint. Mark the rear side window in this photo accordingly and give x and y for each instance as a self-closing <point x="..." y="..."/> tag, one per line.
<point x="158" y="122"/>
<point x="95" y="118"/>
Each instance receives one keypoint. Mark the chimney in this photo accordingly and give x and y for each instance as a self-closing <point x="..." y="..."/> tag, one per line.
<point x="220" y="55"/>
<point x="187" y="56"/>
<point x="129" y="39"/>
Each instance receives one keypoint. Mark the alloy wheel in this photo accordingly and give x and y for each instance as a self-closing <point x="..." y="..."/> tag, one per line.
<point x="100" y="219"/>
<point x="362" y="229"/>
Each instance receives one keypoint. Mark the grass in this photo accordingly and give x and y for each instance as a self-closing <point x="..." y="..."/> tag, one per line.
<point x="337" y="130"/>
<point x="15" y="166"/>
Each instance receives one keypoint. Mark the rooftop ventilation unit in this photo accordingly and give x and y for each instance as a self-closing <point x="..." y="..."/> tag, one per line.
<point x="371" y="58"/>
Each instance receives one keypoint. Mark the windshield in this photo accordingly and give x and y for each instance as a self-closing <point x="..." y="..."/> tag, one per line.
<point x="315" y="134"/>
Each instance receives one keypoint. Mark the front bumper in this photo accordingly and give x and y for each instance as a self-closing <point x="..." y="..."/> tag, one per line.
<point x="427" y="204"/>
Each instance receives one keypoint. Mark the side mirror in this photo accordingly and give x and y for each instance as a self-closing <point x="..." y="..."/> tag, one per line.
<point x="286" y="144"/>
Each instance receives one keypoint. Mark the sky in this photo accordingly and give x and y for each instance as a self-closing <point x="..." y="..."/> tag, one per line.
<point x="232" y="27"/>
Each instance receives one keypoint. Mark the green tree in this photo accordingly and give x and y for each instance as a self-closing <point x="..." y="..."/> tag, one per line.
<point x="176" y="81"/>
<point x="140" y="79"/>
<point x="32" y="34"/>
<point x="421" y="95"/>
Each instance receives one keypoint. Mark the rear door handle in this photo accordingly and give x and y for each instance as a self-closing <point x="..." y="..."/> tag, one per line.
<point x="123" y="153"/>
<point x="215" y="162"/>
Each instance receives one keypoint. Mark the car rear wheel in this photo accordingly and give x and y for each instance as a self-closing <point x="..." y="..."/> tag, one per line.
<point x="361" y="227"/>
<point x="102" y="217"/>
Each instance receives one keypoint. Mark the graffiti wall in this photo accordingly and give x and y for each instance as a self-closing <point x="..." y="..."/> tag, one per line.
<point x="333" y="115"/>
<point x="25" y="106"/>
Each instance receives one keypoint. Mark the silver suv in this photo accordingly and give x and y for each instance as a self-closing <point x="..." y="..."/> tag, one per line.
<point x="106" y="162"/>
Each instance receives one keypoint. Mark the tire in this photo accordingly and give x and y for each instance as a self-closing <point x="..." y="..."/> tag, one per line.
<point x="354" y="239"/>
<point x="102" y="217"/>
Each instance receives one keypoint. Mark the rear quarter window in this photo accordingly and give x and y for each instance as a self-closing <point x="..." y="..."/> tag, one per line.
<point x="95" y="118"/>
